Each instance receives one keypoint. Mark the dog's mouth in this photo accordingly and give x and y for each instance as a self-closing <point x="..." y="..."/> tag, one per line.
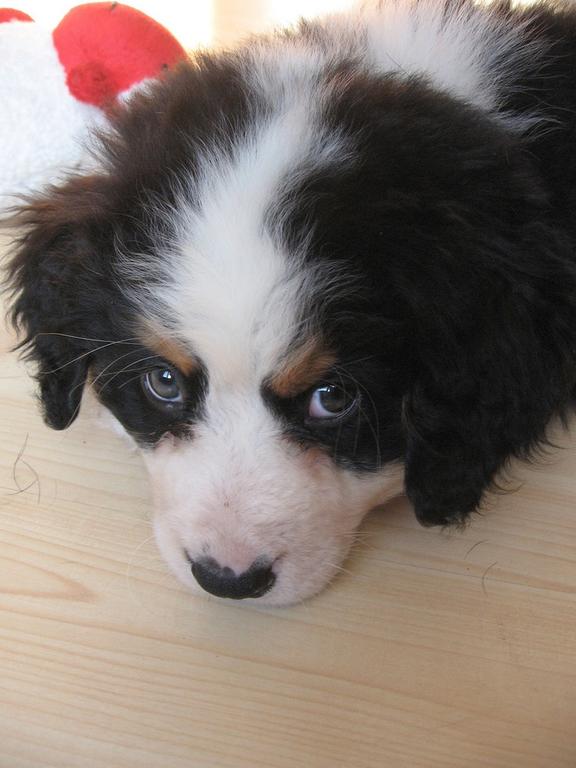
<point x="271" y="537"/>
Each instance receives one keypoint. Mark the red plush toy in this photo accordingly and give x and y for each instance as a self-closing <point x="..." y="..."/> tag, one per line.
<point x="106" y="48"/>
<point x="11" y="14"/>
<point x="55" y="86"/>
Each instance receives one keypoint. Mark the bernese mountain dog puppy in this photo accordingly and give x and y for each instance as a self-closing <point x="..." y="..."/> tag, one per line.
<point x="306" y="274"/>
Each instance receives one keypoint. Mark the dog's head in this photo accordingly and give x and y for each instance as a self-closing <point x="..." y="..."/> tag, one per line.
<point x="290" y="297"/>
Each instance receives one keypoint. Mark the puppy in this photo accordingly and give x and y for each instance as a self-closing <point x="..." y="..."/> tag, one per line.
<point x="333" y="263"/>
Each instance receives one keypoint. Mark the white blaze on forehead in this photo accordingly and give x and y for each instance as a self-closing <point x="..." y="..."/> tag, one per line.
<point x="233" y="291"/>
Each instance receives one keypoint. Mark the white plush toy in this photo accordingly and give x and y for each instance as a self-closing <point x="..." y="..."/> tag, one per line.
<point x="56" y="86"/>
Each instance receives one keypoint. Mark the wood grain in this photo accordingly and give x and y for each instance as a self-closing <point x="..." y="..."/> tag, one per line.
<point x="430" y="650"/>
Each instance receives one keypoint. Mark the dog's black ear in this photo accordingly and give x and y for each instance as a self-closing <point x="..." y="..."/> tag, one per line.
<point x="49" y="270"/>
<point x="60" y="387"/>
<point x="495" y="363"/>
<point x="454" y="450"/>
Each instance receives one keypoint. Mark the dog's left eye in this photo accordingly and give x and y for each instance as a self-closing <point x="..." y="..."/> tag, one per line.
<point x="332" y="401"/>
<point x="163" y="385"/>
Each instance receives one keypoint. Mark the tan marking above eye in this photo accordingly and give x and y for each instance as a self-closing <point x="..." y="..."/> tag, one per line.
<point x="302" y="368"/>
<point x="160" y="341"/>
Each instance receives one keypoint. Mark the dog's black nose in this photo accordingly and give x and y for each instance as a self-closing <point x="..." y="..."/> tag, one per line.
<point x="224" y="582"/>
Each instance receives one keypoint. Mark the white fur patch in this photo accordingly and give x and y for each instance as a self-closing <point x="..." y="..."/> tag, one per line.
<point x="238" y="492"/>
<point x="237" y="297"/>
<point x="468" y="52"/>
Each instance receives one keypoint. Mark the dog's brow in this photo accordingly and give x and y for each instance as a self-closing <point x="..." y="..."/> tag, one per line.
<point x="165" y="345"/>
<point x="302" y="368"/>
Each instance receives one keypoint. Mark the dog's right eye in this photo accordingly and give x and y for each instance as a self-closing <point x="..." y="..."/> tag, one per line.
<point x="332" y="402"/>
<point x="164" y="386"/>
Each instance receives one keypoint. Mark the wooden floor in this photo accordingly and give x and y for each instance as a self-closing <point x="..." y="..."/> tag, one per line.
<point x="431" y="650"/>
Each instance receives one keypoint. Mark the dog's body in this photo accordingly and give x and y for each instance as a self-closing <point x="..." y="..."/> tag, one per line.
<point x="312" y="266"/>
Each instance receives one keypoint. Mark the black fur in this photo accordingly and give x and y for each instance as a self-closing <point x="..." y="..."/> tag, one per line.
<point x="459" y="235"/>
<point x="460" y="247"/>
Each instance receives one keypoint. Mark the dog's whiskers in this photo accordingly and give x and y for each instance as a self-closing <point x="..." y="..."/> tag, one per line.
<point x="127" y="369"/>
<point x="114" y="374"/>
<point x="83" y="355"/>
